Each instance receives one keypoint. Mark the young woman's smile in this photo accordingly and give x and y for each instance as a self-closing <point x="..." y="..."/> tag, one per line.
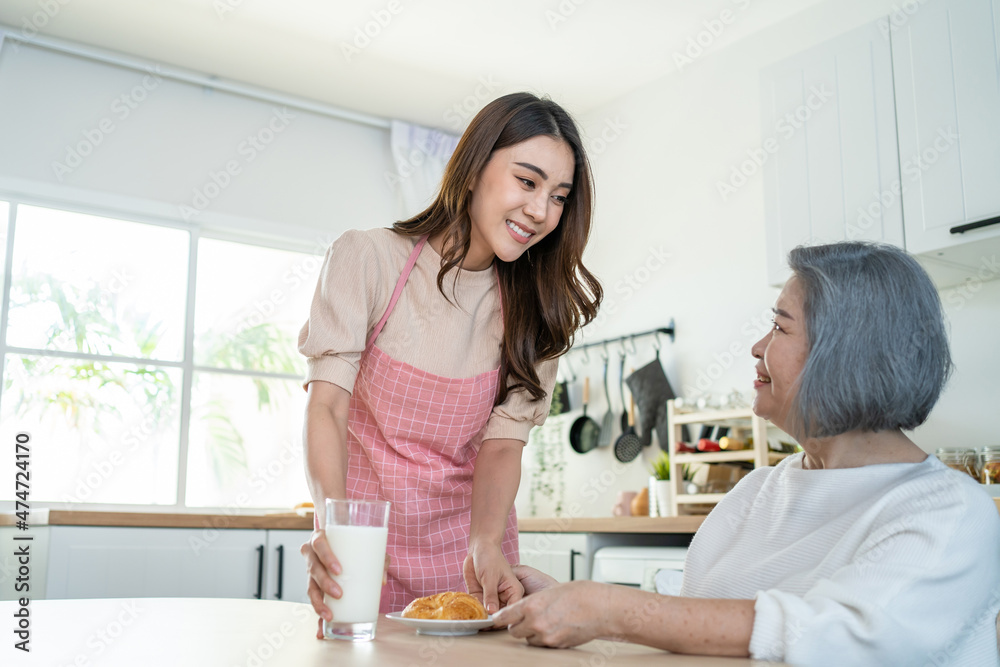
<point x="518" y="199"/>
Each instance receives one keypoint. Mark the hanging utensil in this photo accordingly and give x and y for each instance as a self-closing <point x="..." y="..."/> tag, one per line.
<point x="628" y="446"/>
<point x="609" y="415"/>
<point x="633" y="352"/>
<point x="621" y="390"/>
<point x="585" y="432"/>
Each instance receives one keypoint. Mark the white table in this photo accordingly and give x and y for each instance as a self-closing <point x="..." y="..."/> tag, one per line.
<point x="190" y="632"/>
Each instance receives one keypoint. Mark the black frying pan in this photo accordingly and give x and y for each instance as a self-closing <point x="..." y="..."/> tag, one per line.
<point x="585" y="432"/>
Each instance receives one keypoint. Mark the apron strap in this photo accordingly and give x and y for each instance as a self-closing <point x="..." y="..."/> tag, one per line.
<point x="410" y="263"/>
<point x="399" y="289"/>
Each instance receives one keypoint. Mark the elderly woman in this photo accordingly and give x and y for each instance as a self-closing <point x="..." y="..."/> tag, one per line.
<point x="860" y="550"/>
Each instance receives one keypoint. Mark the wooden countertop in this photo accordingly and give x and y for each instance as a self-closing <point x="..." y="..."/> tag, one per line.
<point x="156" y="632"/>
<point x="292" y="521"/>
<point x="618" y="524"/>
<point x="283" y="521"/>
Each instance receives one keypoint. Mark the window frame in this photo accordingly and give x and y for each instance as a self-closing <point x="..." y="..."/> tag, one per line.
<point x="295" y="242"/>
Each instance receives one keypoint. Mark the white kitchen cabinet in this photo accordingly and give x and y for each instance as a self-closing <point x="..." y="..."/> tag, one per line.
<point x="565" y="556"/>
<point x="285" y="568"/>
<point x="828" y="128"/>
<point x="101" y="562"/>
<point x="947" y="83"/>
<point x="14" y="583"/>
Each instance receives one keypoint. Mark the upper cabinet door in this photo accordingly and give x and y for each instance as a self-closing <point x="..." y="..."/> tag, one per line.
<point x="947" y="78"/>
<point x="829" y="128"/>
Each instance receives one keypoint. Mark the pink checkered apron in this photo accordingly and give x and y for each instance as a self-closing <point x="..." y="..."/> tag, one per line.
<point x="412" y="440"/>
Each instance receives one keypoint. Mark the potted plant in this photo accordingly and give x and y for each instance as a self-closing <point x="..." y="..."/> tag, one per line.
<point x="659" y="486"/>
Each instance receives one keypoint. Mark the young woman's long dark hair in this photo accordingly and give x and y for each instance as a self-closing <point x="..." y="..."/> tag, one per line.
<point x="539" y="323"/>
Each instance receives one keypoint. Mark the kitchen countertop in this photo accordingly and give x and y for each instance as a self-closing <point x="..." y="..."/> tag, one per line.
<point x="292" y="521"/>
<point x="208" y="631"/>
<point x="617" y="524"/>
<point x="279" y="521"/>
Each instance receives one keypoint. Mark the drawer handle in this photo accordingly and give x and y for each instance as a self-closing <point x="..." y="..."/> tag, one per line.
<point x="281" y="568"/>
<point x="260" y="571"/>
<point x="961" y="229"/>
<point x="573" y="553"/>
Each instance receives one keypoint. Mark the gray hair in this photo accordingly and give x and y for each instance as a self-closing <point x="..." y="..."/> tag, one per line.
<point x="878" y="345"/>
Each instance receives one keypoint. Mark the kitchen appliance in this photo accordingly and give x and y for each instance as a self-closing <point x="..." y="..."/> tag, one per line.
<point x="658" y="569"/>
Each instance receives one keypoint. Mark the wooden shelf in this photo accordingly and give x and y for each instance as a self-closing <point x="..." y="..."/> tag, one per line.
<point x="688" y="499"/>
<point x="724" y="456"/>
<point x="743" y="419"/>
<point x="714" y="457"/>
<point x="713" y="416"/>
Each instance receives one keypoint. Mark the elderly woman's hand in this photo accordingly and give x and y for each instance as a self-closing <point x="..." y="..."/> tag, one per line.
<point x="561" y="616"/>
<point x="533" y="580"/>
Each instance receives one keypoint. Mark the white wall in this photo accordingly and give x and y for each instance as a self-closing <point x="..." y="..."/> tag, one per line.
<point x="656" y="193"/>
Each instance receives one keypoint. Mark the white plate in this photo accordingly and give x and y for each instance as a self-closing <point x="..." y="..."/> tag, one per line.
<point x="427" y="626"/>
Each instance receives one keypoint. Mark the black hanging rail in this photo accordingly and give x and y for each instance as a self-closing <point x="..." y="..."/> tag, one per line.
<point x="667" y="331"/>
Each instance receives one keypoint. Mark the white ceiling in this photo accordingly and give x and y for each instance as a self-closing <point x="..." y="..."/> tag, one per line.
<point x="427" y="57"/>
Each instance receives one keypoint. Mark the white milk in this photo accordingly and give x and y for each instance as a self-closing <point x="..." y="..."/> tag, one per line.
<point x="361" y="552"/>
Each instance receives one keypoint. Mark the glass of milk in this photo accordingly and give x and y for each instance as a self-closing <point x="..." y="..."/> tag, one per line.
<point x="357" y="531"/>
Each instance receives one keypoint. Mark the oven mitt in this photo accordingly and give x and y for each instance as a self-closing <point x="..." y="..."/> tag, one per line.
<point x="651" y="390"/>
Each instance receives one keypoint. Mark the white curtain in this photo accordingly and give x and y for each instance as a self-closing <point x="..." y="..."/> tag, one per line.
<point x="420" y="155"/>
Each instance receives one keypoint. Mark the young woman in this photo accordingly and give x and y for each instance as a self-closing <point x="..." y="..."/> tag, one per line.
<point x="862" y="550"/>
<point x="432" y="351"/>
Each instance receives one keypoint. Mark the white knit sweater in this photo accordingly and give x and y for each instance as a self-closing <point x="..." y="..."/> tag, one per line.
<point x="891" y="564"/>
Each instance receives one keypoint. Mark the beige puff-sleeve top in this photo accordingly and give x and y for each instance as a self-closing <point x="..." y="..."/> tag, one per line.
<point x="457" y="340"/>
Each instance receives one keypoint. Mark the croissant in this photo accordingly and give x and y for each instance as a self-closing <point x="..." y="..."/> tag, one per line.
<point x="446" y="607"/>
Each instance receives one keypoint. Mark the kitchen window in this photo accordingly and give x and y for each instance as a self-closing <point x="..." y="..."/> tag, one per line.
<point x="126" y="402"/>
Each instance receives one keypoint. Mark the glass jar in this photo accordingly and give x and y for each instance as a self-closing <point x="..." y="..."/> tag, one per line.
<point x="989" y="465"/>
<point x="960" y="459"/>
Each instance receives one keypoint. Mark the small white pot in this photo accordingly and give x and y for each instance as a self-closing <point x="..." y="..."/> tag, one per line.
<point x="662" y="490"/>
